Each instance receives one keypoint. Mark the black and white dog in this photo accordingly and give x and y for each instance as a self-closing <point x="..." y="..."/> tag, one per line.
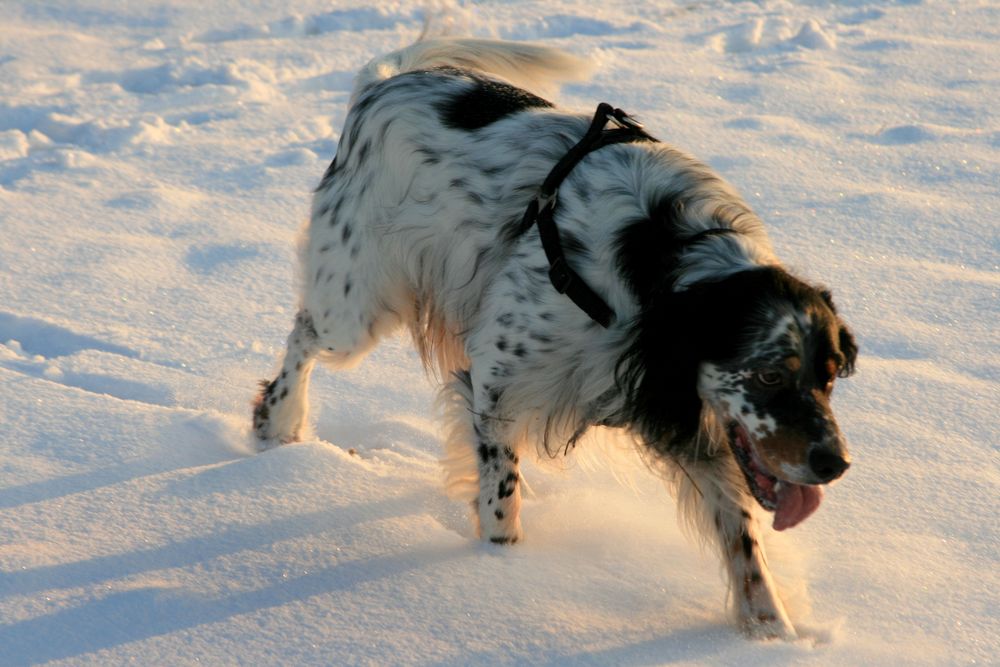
<point x="563" y="275"/>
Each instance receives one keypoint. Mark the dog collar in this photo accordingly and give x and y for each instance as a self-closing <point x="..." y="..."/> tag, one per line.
<point x="541" y="210"/>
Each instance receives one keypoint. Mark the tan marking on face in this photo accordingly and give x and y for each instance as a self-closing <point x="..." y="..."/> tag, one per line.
<point x="793" y="364"/>
<point x="785" y="446"/>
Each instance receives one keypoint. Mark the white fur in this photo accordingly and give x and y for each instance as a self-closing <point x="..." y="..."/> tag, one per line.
<point x="408" y="229"/>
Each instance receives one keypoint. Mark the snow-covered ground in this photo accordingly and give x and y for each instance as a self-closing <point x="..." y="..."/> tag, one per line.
<point x="156" y="160"/>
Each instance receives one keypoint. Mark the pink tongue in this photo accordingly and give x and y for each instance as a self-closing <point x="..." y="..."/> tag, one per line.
<point x="795" y="503"/>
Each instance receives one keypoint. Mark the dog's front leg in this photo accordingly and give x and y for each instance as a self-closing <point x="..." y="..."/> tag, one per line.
<point x="499" y="502"/>
<point x="714" y="487"/>
<point x="759" y="610"/>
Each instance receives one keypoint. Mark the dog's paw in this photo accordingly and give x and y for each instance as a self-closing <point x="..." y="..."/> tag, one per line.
<point x="504" y="532"/>
<point x="269" y="414"/>
<point x="505" y="539"/>
<point x="262" y="424"/>
<point x="495" y="527"/>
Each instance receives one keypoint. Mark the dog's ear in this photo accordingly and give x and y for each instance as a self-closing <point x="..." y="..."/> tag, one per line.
<point x="849" y="348"/>
<point x="674" y="333"/>
<point x="827" y="297"/>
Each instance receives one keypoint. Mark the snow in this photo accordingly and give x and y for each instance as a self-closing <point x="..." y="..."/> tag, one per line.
<point x="156" y="161"/>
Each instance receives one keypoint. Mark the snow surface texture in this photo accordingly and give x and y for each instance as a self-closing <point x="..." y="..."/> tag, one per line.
<point x="156" y="161"/>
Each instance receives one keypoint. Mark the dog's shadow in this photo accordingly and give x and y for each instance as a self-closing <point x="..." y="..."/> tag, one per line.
<point x="147" y="611"/>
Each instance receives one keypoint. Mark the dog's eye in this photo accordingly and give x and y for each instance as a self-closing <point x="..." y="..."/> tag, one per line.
<point x="769" y="377"/>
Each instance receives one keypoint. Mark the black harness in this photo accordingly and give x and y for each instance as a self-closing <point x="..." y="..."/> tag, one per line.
<point x="541" y="210"/>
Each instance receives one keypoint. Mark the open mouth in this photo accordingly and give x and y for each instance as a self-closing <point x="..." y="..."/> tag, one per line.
<point x="791" y="503"/>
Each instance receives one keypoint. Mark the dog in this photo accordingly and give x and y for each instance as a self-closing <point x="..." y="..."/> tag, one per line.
<point x="559" y="274"/>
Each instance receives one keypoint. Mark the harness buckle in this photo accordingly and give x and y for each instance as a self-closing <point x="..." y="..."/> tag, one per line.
<point x="546" y="201"/>
<point x="623" y="120"/>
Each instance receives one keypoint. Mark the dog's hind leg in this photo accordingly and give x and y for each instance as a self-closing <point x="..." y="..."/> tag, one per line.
<point x="712" y="496"/>
<point x="336" y="324"/>
<point x="280" y="411"/>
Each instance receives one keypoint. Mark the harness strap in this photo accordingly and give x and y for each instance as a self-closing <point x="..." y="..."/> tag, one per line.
<point x="541" y="210"/>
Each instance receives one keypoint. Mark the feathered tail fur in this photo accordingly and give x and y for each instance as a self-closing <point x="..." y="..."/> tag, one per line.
<point x="536" y="68"/>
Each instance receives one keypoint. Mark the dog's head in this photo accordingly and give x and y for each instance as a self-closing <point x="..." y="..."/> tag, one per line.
<point x="771" y="388"/>
<point x="762" y="350"/>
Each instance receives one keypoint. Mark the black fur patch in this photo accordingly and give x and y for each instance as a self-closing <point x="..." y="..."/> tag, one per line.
<point x="505" y="488"/>
<point x="747" y="544"/>
<point x="328" y="175"/>
<point x="647" y="249"/>
<point x="486" y="102"/>
<point x="711" y="321"/>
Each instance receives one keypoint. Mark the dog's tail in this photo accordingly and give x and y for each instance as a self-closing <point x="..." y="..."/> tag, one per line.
<point x="528" y="66"/>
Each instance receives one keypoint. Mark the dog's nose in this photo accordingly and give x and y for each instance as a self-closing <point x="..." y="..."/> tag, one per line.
<point x="827" y="465"/>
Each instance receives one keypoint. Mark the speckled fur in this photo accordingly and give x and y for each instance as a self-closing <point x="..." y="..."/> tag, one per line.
<point x="414" y="225"/>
